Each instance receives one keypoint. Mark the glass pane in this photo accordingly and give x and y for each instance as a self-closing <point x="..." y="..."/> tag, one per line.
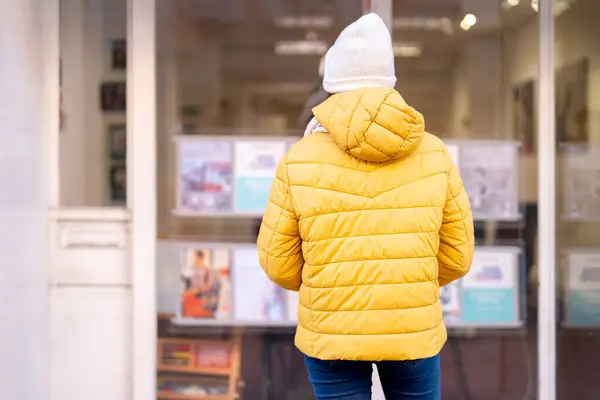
<point x="578" y="198"/>
<point x="231" y="74"/>
<point x="93" y="124"/>
<point x="470" y="68"/>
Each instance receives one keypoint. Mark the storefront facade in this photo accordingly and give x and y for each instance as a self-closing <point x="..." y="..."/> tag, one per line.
<point x="99" y="201"/>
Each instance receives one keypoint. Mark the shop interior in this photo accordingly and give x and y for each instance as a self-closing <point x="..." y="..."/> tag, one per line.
<point x="233" y="79"/>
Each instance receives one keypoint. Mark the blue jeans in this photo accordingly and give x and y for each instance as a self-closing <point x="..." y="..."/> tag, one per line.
<point x="351" y="380"/>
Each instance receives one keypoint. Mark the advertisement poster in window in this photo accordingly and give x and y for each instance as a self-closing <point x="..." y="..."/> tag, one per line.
<point x="583" y="289"/>
<point x="255" y="166"/>
<point x="255" y="297"/>
<point x="205" y="177"/>
<point x="450" y="299"/>
<point x="292" y="305"/>
<point x="489" y="176"/>
<point x="581" y="178"/>
<point x="454" y="152"/>
<point x="206" y="285"/>
<point x="489" y="290"/>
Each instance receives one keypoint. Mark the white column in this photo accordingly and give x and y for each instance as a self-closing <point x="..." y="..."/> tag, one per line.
<point x="383" y="8"/>
<point x="547" y="207"/>
<point x="24" y="197"/>
<point x="141" y="190"/>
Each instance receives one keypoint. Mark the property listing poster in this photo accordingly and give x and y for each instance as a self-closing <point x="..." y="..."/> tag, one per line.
<point x="255" y="297"/>
<point x="206" y="286"/>
<point x="489" y="290"/>
<point x="292" y="305"/>
<point x="581" y="179"/>
<point x="454" y="152"/>
<point x="289" y="143"/>
<point x="583" y="295"/>
<point x="205" y="177"/>
<point x="450" y="296"/>
<point x="489" y="176"/>
<point x="255" y="166"/>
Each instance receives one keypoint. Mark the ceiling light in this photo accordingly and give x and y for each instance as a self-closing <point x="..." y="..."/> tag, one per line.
<point x="407" y="50"/>
<point x="470" y="19"/>
<point x="304" y="22"/>
<point x="467" y="22"/>
<point x="301" y="48"/>
<point x="535" y="5"/>
<point x="508" y="4"/>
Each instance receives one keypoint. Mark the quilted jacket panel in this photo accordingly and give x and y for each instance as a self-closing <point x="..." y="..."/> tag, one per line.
<point x="367" y="221"/>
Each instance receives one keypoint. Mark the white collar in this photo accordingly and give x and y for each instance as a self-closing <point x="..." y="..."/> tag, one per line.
<point x="314" y="126"/>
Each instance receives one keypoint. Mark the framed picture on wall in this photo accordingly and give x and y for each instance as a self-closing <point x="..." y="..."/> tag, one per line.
<point x="118" y="54"/>
<point x="524" y="117"/>
<point x="118" y="183"/>
<point x="112" y="96"/>
<point x="117" y="141"/>
<point x="572" y="106"/>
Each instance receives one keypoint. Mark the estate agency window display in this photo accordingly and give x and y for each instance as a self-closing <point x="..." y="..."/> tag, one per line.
<point x="224" y="176"/>
<point x="221" y="284"/>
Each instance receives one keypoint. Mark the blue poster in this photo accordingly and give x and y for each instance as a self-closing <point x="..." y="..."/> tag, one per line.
<point x="489" y="295"/>
<point x="255" y="168"/>
<point x="584" y="307"/>
<point x="583" y="296"/>
<point x="252" y="194"/>
<point x="489" y="306"/>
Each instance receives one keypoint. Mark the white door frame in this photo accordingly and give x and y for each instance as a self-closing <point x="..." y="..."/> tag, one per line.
<point x="383" y="8"/>
<point x="141" y="192"/>
<point x="546" y="206"/>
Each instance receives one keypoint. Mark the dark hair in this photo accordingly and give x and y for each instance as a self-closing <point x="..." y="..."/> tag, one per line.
<point x="316" y="98"/>
<point x="200" y="253"/>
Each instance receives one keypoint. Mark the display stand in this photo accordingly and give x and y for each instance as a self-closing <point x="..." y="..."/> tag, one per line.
<point x="190" y="369"/>
<point x="580" y="216"/>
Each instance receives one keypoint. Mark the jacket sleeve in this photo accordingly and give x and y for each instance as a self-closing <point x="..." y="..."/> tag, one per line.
<point x="457" y="238"/>
<point x="279" y="242"/>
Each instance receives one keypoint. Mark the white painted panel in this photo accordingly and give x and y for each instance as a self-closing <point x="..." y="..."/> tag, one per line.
<point x="26" y="34"/>
<point x="91" y="345"/>
<point x="90" y="253"/>
<point x="90" y="247"/>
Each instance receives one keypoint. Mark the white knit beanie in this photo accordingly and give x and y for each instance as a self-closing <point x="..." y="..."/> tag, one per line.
<point x="362" y="56"/>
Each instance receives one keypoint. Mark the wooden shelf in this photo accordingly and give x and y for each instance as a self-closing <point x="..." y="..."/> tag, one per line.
<point x="194" y="370"/>
<point x="179" y="396"/>
<point x="196" y="356"/>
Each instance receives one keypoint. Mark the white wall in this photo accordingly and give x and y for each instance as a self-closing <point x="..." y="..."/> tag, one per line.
<point x="90" y="304"/>
<point x="24" y="198"/>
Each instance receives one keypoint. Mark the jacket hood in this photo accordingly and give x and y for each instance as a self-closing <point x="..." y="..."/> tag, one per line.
<point x="373" y="124"/>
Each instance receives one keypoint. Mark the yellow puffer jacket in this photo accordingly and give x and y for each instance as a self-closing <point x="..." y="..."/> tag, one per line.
<point x="367" y="221"/>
